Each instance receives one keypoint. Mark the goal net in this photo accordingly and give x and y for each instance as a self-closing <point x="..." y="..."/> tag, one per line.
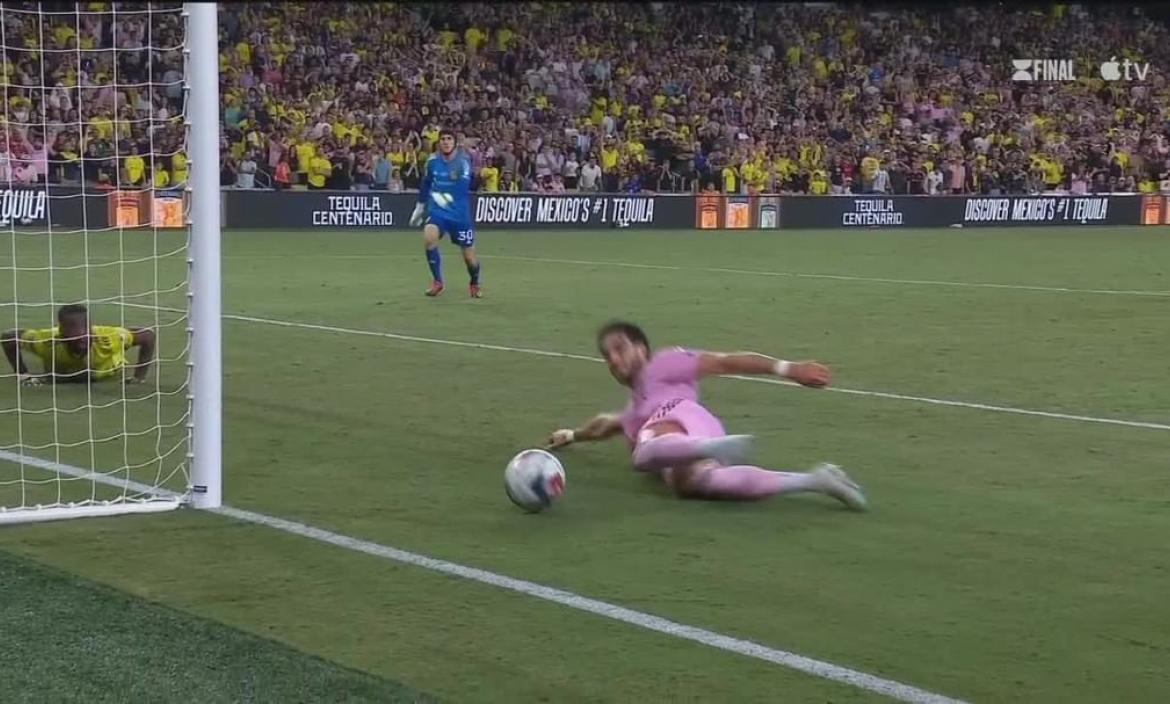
<point x="100" y="389"/>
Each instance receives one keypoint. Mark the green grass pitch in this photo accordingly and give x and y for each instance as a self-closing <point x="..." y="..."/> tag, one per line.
<point x="1007" y="557"/>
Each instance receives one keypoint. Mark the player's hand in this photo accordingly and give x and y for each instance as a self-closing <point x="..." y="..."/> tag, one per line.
<point x="416" y="217"/>
<point x="31" y="380"/>
<point x="812" y="374"/>
<point x="560" y="438"/>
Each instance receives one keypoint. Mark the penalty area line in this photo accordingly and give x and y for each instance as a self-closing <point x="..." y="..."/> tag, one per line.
<point x="817" y="668"/>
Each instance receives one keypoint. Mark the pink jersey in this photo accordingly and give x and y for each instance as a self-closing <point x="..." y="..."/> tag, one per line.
<point x="670" y="376"/>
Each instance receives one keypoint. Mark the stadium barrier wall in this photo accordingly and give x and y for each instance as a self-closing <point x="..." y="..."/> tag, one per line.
<point x="371" y="209"/>
<point x="376" y="210"/>
<point x="74" y="208"/>
<point x="967" y="211"/>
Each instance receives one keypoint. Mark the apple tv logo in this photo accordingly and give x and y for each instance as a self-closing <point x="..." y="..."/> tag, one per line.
<point x="1112" y="70"/>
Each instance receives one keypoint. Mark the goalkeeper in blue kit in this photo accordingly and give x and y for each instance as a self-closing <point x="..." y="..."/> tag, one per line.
<point x="444" y="201"/>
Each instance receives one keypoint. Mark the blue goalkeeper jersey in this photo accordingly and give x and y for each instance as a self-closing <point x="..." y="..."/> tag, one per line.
<point x="446" y="188"/>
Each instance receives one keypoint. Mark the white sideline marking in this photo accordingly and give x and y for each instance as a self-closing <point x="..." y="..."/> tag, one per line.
<point x="749" y="272"/>
<point x="758" y="380"/>
<point x="817" y="668"/>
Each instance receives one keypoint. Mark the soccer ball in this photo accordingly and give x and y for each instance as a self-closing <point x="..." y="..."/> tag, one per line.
<point x="534" y="479"/>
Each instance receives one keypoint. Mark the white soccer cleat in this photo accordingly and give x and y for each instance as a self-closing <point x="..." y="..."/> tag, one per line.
<point x="833" y="481"/>
<point x="729" y="449"/>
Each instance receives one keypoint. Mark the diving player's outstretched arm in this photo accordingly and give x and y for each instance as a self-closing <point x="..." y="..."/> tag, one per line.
<point x="599" y="427"/>
<point x="812" y="374"/>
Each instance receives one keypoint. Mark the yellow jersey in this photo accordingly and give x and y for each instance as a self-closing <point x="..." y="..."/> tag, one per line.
<point x="474" y="37"/>
<point x="305" y="153"/>
<point x="1053" y="173"/>
<point x="107" y="350"/>
<point x="818" y="185"/>
<point x="609" y="158"/>
<point x="320" y="169"/>
<point x="748" y="172"/>
<point x="179" y="164"/>
<point x="730" y="180"/>
<point x="135" y="168"/>
<point x="489" y="176"/>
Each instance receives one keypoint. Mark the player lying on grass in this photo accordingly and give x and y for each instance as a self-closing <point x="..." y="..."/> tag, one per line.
<point x="76" y="352"/>
<point x="444" y="197"/>
<point x="672" y="435"/>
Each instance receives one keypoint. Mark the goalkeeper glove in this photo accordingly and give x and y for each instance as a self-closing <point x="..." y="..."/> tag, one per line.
<point x="416" y="217"/>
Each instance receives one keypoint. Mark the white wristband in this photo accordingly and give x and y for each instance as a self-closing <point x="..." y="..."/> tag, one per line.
<point x="782" y="368"/>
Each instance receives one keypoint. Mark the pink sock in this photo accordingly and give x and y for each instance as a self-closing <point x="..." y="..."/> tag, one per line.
<point x="671" y="450"/>
<point x="747" y="482"/>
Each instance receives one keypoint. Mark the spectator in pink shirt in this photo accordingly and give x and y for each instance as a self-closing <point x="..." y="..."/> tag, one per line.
<point x="956" y="176"/>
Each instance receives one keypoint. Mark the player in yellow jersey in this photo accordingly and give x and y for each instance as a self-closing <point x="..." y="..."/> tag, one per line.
<point x="75" y="351"/>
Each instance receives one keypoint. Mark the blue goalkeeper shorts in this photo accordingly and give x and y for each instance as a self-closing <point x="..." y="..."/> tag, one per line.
<point x="461" y="233"/>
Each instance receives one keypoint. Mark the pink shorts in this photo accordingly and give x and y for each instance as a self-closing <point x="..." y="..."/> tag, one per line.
<point x="694" y="418"/>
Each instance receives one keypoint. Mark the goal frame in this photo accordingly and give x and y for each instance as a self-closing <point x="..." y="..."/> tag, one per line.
<point x="204" y="290"/>
<point x="204" y="302"/>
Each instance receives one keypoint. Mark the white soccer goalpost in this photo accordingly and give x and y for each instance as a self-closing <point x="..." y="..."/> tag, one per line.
<point x="109" y="198"/>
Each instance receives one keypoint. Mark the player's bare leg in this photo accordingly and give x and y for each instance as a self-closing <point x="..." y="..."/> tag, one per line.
<point x="434" y="258"/>
<point x="472" y="263"/>
<point x="710" y="479"/>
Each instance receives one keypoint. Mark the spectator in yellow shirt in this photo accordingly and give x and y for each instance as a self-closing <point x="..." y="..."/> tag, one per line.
<point x="162" y="179"/>
<point x="134" y="168"/>
<point x="730" y="179"/>
<point x="609" y="166"/>
<point x="305" y="152"/>
<point x="320" y="169"/>
<point x="1053" y="173"/>
<point x="818" y="184"/>
<point x="474" y="37"/>
<point x="489" y="178"/>
<point x="179" y="168"/>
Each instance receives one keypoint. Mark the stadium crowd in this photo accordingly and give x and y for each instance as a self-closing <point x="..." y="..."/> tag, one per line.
<point x="659" y="97"/>
<point x="94" y="95"/>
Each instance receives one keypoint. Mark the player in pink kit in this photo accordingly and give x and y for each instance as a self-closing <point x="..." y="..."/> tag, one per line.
<point x="672" y="434"/>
